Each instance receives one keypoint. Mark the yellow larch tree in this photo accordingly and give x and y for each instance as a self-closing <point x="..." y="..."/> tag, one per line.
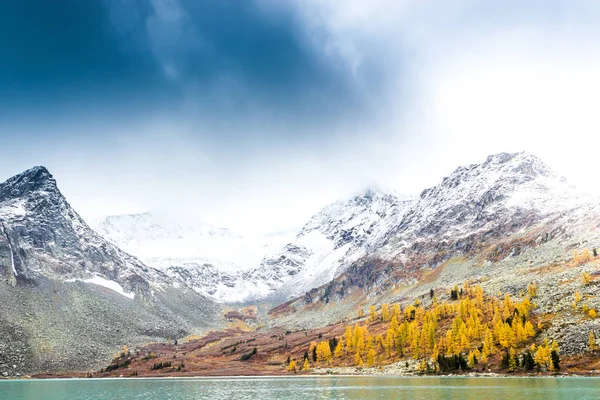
<point x="361" y="312"/>
<point x="592" y="341"/>
<point x="349" y="339"/>
<point x="339" y="348"/>
<point x="358" y="359"/>
<point x="585" y="256"/>
<point x="385" y="312"/>
<point x="586" y="279"/>
<point x="371" y="358"/>
<point x="532" y="290"/>
<point x="324" y="352"/>
<point x="397" y="312"/>
<point x="372" y="314"/>
<point x="292" y="366"/>
<point x="576" y="258"/>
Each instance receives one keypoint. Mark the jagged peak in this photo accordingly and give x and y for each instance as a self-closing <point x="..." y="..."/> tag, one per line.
<point x="510" y="168"/>
<point x="520" y="163"/>
<point x="34" y="179"/>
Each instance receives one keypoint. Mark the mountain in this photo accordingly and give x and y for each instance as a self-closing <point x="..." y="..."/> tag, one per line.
<point x="503" y="222"/>
<point x="505" y="193"/>
<point x="232" y="269"/>
<point x="69" y="296"/>
<point x="333" y="239"/>
<point x="519" y="244"/>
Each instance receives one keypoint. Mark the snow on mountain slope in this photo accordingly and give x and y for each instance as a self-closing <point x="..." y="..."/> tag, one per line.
<point x="67" y="291"/>
<point x="506" y="193"/>
<point x="42" y="234"/>
<point x="231" y="268"/>
<point x="332" y="240"/>
<point x="162" y="240"/>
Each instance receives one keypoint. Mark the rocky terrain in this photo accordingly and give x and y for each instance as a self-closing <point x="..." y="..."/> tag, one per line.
<point x="504" y="223"/>
<point x="68" y="296"/>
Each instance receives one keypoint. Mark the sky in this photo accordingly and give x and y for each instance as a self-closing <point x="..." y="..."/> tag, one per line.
<point x="255" y="114"/>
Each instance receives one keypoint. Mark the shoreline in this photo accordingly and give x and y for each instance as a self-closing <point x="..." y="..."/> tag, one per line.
<point x="302" y="376"/>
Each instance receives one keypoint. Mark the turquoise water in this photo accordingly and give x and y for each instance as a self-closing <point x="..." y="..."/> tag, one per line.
<point x="327" y="387"/>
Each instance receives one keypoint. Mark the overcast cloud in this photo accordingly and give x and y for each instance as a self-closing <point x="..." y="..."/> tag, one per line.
<point x="255" y="114"/>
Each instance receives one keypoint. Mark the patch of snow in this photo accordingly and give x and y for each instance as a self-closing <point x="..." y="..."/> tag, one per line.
<point x="112" y="285"/>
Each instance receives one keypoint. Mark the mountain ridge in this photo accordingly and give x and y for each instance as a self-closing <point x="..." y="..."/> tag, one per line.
<point x="62" y="284"/>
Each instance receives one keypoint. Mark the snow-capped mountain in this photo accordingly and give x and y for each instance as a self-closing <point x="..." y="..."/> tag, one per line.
<point x="231" y="268"/>
<point x="42" y="234"/>
<point x="66" y="291"/>
<point x="333" y="238"/>
<point x="482" y="216"/>
<point x="507" y="192"/>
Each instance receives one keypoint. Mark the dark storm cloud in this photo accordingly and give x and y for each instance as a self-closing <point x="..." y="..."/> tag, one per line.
<point x="206" y="58"/>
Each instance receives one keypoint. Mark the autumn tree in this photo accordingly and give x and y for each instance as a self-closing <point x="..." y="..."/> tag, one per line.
<point x="396" y="311"/>
<point x="385" y="312"/>
<point x="592" y="341"/>
<point x="324" y="352"/>
<point x="361" y="312"/>
<point x="371" y="358"/>
<point x="292" y="366"/>
<point x="576" y="258"/>
<point x="306" y="366"/>
<point x="532" y="290"/>
<point x="586" y="279"/>
<point x="339" y="349"/>
<point x="372" y="314"/>
<point x="585" y="256"/>
<point x="358" y="359"/>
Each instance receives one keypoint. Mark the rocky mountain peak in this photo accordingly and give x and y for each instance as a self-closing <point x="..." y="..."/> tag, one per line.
<point x="506" y="192"/>
<point x="33" y="180"/>
<point x="502" y="172"/>
<point x="522" y="163"/>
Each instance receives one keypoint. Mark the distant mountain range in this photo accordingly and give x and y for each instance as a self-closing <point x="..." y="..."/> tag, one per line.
<point x="135" y="278"/>
<point x="516" y="188"/>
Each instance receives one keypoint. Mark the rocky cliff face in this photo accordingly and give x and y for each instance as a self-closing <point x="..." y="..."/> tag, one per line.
<point x="70" y="298"/>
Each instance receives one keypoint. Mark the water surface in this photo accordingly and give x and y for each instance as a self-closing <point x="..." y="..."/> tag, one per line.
<point x="326" y="387"/>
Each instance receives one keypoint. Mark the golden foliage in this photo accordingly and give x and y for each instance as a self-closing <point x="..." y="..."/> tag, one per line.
<point x="592" y="341"/>
<point x="586" y="279"/>
<point x="292" y="366"/>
